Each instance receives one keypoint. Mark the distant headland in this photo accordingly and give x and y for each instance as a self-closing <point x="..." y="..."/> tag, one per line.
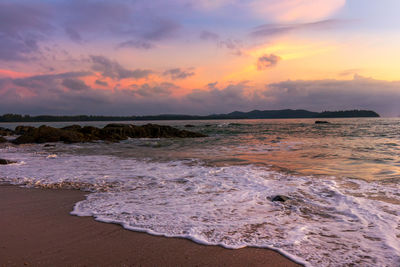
<point x="255" y="114"/>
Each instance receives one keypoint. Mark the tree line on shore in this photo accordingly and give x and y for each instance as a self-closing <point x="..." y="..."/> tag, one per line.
<point x="255" y="114"/>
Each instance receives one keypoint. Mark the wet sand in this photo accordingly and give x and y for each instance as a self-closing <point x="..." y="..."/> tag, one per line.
<point x="37" y="230"/>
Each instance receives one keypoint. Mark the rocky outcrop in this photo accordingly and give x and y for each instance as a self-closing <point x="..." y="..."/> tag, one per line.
<point x="6" y="132"/>
<point x="2" y="140"/>
<point x="46" y="134"/>
<point x="111" y="132"/>
<point x="20" y="130"/>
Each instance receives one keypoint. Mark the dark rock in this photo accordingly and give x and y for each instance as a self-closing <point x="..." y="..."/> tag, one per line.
<point x="6" y="161"/>
<point x="74" y="127"/>
<point x="321" y="122"/>
<point x="118" y="125"/>
<point x="111" y="132"/>
<point x="2" y="140"/>
<point x="46" y="134"/>
<point x="280" y="198"/>
<point x="147" y="131"/>
<point x="20" y="130"/>
<point x="189" y="126"/>
<point x="6" y="132"/>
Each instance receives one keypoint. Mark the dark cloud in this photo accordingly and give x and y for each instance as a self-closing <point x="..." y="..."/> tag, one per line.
<point x="275" y="29"/>
<point x="52" y="98"/>
<point x="22" y="26"/>
<point x="119" y="18"/>
<point x="102" y="83"/>
<point x="17" y="49"/>
<point x="178" y="73"/>
<point x="38" y="81"/>
<point x="73" y="34"/>
<point x="18" y="17"/>
<point x="75" y="84"/>
<point x="25" y="25"/>
<point x="267" y="61"/>
<point x="207" y="35"/>
<point x="212" y="85"/>
<point x="46" y="94"/>
<point x="114" y="70"/>
<point x="139" y="44"/>
<point x="318" y="95"/>
<point x="160" y="29"/>
<point x="232" y="44"/>
<point x="232" y="97"/>
<point x="163" y="89"/>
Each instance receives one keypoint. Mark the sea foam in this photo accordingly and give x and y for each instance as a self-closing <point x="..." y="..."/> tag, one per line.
<point x="327" y="221"/>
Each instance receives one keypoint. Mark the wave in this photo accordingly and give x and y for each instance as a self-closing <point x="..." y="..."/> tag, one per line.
<point x="326" y="221"/>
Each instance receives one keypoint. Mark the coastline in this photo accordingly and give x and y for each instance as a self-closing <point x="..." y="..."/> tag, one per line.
<point x="37" y="230"/>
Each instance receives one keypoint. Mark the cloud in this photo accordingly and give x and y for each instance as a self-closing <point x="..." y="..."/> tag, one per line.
<point x="27" y="26"/>
<point x="75" y="84"/>
<point x="348" y="72"/>
<point x="178" y="73"/>
<point x="163" y="90"/>
<point x="22" y="26"/>
<point x="139" y="44"/>
<point x="38" y="81"/>
<point x="360" y="92"/>
<point x="212" y="85"/>
<point x="267" y="61"/>
<point x="73" y="34"/>
<point x="267" y="30"/>
<point x="296" y="10"/>
<point x="273" y="10"/>
<point x="160" y="28"/>
<point x="101" y="83"/>
<point x="235" y="96"/>
<point x="233" y="45"/>
<point x="209" y="36"/>
<point x="112" y="69"/>
<point x="47" y="94"/>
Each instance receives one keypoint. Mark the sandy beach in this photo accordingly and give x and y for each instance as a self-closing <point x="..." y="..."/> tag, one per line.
<point x="37" y="230"/>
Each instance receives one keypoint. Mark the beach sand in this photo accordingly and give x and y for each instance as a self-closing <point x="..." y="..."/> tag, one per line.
<point x="37" y="230"/>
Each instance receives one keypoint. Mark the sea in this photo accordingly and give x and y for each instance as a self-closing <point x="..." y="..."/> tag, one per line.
<point x="342" y="181"/>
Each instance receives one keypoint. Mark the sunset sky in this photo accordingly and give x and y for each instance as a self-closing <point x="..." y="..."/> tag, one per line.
<point x="67" y="57"/>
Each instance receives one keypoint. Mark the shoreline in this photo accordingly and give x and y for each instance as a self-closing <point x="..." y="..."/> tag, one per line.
<point x="38" y="230"/>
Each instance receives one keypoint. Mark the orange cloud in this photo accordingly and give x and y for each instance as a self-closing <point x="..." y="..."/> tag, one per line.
<point x="12" y="74"/>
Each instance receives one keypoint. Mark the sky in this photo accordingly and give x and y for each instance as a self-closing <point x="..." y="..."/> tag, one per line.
<point x="140" y="57"/>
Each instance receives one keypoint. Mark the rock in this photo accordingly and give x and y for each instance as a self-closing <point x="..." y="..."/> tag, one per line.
<point x="6" y="161"/>
<point x="6" y="132"/>
<point x="46" y="134"/>
<point x="118" y="125"/>
<point x="111" y="132"/>
<point x="20" y="130"/>
<point x="321" y="122"/>
<point x="280" y="198"/>
<point x="74" y="127"/>
<point x="189" y="126"/>
<point x="2" y="140"/>
<point x="147" y="131"/>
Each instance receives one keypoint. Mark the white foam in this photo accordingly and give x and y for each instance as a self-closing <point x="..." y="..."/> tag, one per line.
<point x="327" y="222"/>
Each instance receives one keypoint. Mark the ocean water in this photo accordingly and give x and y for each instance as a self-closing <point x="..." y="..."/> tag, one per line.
<point x="342" y="178"/>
